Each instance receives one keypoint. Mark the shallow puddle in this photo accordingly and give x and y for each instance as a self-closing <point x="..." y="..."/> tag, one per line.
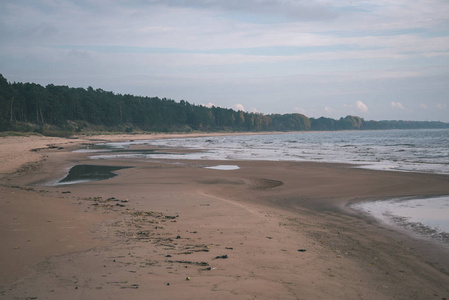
<point x="85" y="173"/>
<point x="428" y="216"/>
<point x="224" y="167"/>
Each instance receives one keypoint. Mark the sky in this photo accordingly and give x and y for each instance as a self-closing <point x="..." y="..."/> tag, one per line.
<point x="377" y="59"/>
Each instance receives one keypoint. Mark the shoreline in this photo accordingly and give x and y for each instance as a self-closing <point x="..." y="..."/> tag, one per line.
<point x="265" y="223"/>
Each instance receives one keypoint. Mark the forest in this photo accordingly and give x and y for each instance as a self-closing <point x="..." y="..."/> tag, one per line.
<point x="33" y="107"/>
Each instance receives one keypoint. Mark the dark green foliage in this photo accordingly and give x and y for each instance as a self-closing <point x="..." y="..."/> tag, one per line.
<point x="290" y="122"/>
<point x="61" y="110"/>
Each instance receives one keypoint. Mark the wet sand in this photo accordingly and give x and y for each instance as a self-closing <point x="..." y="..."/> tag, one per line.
<point x="176" y="230"/>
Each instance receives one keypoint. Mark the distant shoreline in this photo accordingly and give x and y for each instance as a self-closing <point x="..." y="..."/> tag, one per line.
<point x="63" y="110"/>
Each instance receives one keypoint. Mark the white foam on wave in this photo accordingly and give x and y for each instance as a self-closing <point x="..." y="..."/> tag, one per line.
<point x="424" y="151"/>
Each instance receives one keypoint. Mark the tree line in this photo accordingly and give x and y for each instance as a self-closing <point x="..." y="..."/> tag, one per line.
<point x="32" y="107"/>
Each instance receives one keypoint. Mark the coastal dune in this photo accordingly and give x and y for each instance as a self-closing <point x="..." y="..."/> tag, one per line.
<point x="174" y="229"/>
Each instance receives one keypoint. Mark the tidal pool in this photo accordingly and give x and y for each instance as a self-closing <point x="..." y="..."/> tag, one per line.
<point x="224" y="167"/>
<point x="85" y="173"/>
<point x="424" y="216"/>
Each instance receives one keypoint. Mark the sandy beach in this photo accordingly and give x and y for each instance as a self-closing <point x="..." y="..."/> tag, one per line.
<point x="173" y="229"/>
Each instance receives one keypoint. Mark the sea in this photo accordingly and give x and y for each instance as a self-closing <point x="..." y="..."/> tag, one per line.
<point x="423" y="151"/>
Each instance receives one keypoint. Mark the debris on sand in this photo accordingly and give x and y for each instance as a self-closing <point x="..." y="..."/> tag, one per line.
<point x="221" y="257"/>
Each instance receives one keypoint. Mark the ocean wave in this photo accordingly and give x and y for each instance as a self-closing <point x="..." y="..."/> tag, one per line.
<point x="417" y="151"/>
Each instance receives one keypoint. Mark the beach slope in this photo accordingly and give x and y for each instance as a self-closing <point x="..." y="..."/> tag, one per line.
<point x="165" y="229"/>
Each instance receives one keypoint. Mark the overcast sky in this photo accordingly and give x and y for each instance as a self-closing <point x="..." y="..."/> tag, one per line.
<point x="378" y="59"/>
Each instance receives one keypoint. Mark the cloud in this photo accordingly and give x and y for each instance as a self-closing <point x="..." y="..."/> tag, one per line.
<point x="315" y="54"/>
<point x="300" y="110"/>
<point x="397" y="105"/>
<point x="210" y="104"/>
<point x="296" y="10"/>
<point x="441" y="105"/>
<point x="253" y="110"/>
<point x="423" y="106"/>
<point x="328" y="109"/>
<point x="239" y="107"/>
<point x="361" y="106"/>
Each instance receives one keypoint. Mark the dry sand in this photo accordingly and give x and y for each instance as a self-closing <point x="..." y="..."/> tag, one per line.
<point x="175" y="230"/>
